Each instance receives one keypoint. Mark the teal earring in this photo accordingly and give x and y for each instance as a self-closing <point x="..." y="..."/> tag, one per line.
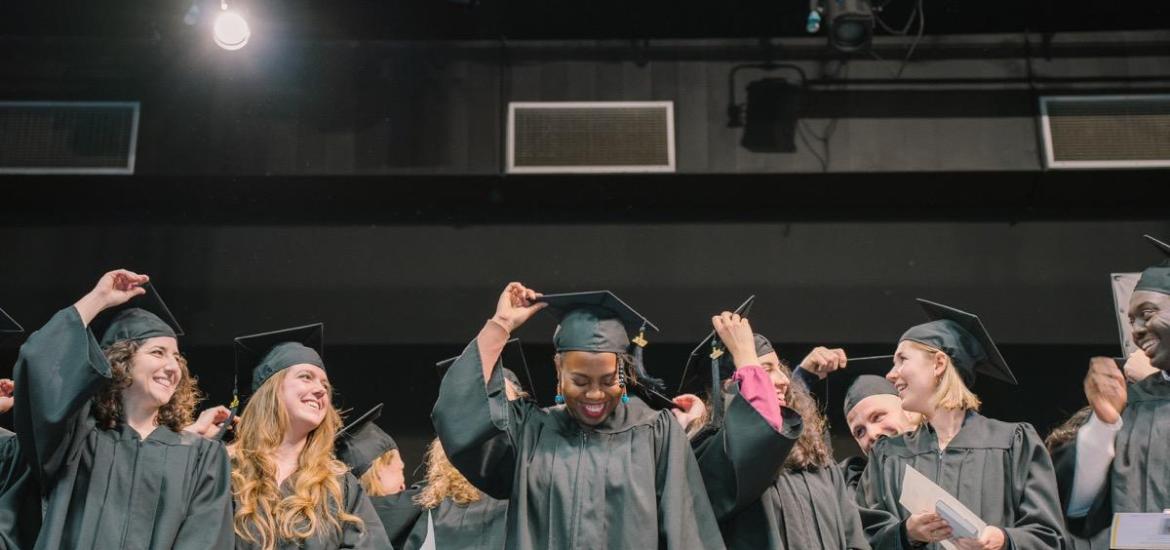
<point x="559" y="399"/>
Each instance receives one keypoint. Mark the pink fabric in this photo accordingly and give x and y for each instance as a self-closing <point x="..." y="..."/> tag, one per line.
<point x="755" y="386"/>
<point x="490" y="343"/>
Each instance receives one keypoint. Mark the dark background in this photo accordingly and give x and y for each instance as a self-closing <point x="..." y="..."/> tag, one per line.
<point x="346" y="167"/>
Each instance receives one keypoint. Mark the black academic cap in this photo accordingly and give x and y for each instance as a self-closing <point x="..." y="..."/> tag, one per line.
<point x="691" y="374"/>
<point x="867" y="385"/>
<point x="964" y="339"/>
<point x="361" y="442"/>
<point x="267" y="353"/>
<point x="512" y="354"/>
<point x="1156" y="278"/>
<point x="596" y="321"/>
<point x="9" y="328"/>
<point x="8" y="325"/>
<point x="145" y="316"/>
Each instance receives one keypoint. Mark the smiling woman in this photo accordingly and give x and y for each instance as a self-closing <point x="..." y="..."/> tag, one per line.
<point x="116" y="468"/>
<point x="290" y="491"/>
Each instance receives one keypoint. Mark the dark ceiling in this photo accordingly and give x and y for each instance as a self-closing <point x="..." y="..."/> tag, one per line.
<point x="561" y="19"/>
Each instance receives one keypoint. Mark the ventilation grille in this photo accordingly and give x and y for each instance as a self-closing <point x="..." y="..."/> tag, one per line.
<point x="597" y="137"/>
<point x="1130" y="131"/>
<point x="49" y="137"/>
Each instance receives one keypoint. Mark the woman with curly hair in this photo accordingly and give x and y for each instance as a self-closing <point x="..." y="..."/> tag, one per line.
<point x="102" y="425"/>
<point x="289" y="489"/>
<point x="767" y="466"/>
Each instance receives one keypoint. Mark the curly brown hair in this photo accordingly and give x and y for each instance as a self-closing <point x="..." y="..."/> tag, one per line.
<point x="811" y="450"/>
<point x="107" y="403"/>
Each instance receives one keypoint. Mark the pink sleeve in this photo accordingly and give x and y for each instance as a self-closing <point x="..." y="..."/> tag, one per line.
<point x="755" y="386"/>
<point x="490" y="343"/>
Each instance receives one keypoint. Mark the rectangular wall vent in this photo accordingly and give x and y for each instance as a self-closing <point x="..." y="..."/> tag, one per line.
<point x="1106" y="131"/>
<point x="590" y="137"/>
<point x="68" y="137"/>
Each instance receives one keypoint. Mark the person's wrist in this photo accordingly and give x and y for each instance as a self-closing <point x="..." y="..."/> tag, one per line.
<point x="504" y="323"/>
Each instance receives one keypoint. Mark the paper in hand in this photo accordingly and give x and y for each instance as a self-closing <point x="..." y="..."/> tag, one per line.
<point x="920" y="494"/>
<point x="1140" y="532"/>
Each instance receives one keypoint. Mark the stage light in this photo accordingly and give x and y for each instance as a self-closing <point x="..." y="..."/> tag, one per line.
<point x="231" y="32"/>
<point x="850" y="24"/>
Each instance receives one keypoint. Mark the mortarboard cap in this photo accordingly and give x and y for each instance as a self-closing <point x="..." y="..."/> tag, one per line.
<point x="267" y="353"/>
<point x="361" y="442"/>
<point x="1156" y="278"/>
<point x="145" y="316"/>
<point x="512" y="354"/>
<point x="964" y="339"/>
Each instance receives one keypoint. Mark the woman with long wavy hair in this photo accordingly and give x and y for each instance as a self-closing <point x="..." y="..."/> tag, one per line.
<point x="102" y="426"/>
<point x="289" y="489"/>
<point x="767" y="466"/>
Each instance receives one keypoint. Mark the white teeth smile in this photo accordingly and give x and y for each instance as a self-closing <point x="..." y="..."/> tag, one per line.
<point x="593" y="410"/>
<point x="313" y="404"/>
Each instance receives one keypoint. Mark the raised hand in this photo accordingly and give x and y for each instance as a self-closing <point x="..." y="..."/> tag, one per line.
<point x="1137" y="366"/>
<point x="517" y="304"/>
<point x="7" y="387"/>
<point x="210" y="422"/>
<point x="1105" y="389"/>
<point x="736" y="334"/>
<point x="113" y="289"/>
<point x="690" y="409"/>
<point x="821" y="361"/>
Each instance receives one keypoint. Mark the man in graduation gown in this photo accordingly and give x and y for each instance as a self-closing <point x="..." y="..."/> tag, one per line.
<point x="111" y="488"/>
<point x="597" y="472"/>
<point x="873" y="410"/>
<point x="1120" y="459"/>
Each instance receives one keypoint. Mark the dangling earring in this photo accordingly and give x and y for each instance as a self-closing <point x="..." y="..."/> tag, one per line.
<point x="622" y="381"/>
<point x="559" y="399"/>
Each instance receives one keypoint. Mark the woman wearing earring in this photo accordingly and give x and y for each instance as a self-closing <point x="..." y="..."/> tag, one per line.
<point x="602" y="470"/>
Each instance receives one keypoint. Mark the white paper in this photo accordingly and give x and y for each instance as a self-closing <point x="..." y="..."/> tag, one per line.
<point x="1140" y="532"/>
<point x="1123" y="284"/>
<point x="429" y="541"/>
<point x="920" y="494"/>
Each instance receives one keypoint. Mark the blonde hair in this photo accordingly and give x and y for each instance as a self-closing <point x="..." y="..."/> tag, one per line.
<point x="372" y="480"/>
<point x="444" y="481"/>
<point x="263" y="517"/>
<point x="176" y="414"/>
<point x="951" y="393"/>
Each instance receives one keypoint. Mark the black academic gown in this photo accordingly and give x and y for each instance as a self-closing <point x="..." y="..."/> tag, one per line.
<point x="760" y="504"/>
<point x="398" y="513"/>
<point x="480" y="525"/>
<point x="629" y="483"/>
<point x="370" y="536"/>
<point x="1000" y="470"/>
<point x="110" y="488"/>
<point x="20" y="498"/>
<point x="851" y="469"/>
<point x="1139" y="478"/>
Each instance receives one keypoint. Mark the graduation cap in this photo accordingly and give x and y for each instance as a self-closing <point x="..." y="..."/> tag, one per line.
<point x="512" y="353"/>
<point x="361" y="442"/>
<point x="721" y="365"/>
<point x="964" y="339"/>
<point x="867" y="385"/>
<point x="8" y="326"/>
<point x="1156" y="278"/>
<point x="599" y="321"/>
<point x="268" y="353"/>
<point x="145" y="316"/>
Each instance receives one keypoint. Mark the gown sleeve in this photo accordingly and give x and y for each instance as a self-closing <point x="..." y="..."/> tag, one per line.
<point x="209" y="515"/>
<point x="477" y="425"/>
<point x="740" y="460"/>
<point x="685" y="518"/>
<point x="883" y="528"/>
<point x="850" y="517"/>
<point x="372" y="536"/>
<point x="59" y="368"/>
<point x="1038" y="523"/>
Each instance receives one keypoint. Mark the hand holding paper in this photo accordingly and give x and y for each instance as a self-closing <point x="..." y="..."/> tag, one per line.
<point x="921" y="495"/>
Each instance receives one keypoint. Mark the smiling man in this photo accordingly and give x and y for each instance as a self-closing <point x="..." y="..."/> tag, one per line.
<point x="1122" y="451"/>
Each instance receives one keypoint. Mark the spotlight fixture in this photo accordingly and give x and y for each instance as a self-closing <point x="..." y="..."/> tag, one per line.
<point x="850" y="24"/>
<point x="231" y="31"/>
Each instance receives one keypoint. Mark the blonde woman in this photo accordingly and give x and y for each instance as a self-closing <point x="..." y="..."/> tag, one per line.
<point x="101" y="428"/>
<point x="1000" y="470"/>
<point x="373" y="457"/>
<point x="290" y="491"/>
